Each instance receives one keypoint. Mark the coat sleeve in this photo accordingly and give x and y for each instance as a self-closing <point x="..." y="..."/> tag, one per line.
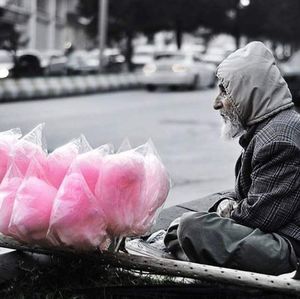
<point x="274" y="195"/>
<point x="226" y="195"/>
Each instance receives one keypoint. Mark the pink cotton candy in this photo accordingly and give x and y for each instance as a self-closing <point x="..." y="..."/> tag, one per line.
<point x="90" y="165"/>
<point x="90" y="171"/>
<point x="76" y="220"/>
<point x="8" y="190"/>
<point x="32" y="210"/>
<point x="59" y="162"/>
<point x="23" y="153"/>
<point x="119" y="190"/>
<point x="32" y="145"/>
<point x="156" y="190"/>
<point x="4" y="159"/>
<point x="8" y="140"/>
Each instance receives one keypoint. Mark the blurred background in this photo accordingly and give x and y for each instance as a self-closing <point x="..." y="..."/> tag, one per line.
<point x="171" y="46"/>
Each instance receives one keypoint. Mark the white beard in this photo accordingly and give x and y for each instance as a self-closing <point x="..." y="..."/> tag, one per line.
<point x="232" y="127"/>
<point x="230" y="130"/>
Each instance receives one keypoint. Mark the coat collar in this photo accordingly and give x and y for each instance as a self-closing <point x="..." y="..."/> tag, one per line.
<point x="251" y="131"/>
<point x="247" y="137"/>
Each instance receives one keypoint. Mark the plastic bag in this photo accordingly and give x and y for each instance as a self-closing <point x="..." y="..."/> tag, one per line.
<point x="59" y="161"/>
<point x="155" y="192"/>
<point x="31" y="145"/>
<point x="132" y="185"/>
<point x="90" y="164"/>
<point x="8" y="190"/>
<point x="76" y="220"/>
<point x="119" y="190"/>
<point x="8" y="140"/>
<point x="32" y="207"/>
<point x="125" y="146"/>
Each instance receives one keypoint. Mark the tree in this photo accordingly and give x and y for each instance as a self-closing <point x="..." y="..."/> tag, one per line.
<point x="126" y="19"/>
<point x="276" y="20"/>
<point x="129" y="17"/>
<point x="9" y="37"/>
<point x="272" y="19"/>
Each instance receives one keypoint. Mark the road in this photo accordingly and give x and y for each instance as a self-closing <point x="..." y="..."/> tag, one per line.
<point x="182" y="125"/>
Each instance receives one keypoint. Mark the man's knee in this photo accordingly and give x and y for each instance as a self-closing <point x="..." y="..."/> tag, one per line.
<point x="191" y="233"/>
<point x="192" y="224"/>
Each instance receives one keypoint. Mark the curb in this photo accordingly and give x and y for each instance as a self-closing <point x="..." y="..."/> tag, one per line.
<point x="49" y="87"/>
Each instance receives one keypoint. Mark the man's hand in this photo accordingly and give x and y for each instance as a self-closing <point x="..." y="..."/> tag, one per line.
<point x="226" y="207"/>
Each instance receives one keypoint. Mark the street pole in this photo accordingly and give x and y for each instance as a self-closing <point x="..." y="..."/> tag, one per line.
<point x="52" y="24"/>
<point x="102" y="30"/>
<point x="32" y="24"/>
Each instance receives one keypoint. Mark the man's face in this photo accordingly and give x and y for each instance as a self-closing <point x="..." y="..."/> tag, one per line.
<point x="232" y="126"/>
<point x="220" y="99"/>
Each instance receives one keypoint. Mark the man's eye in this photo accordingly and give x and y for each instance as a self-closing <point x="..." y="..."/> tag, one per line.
<point x="223" y="93"/>
<point x="222" y="89"/>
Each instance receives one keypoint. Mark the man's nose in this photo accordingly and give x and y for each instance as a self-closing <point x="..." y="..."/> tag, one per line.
<point x="218" y="104"/>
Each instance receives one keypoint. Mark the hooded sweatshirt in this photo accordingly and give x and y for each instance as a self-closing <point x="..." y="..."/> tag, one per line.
<point x="254" y="83"/>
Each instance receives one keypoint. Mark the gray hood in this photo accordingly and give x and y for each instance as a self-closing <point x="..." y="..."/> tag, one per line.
<point x="254" y="83"/>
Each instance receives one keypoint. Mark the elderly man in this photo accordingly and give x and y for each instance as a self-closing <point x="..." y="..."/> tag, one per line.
<point x="256" y="228"/>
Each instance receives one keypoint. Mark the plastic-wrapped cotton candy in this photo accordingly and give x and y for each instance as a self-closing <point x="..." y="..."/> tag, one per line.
<point x="90" y="164"/>
<point x="8" y="190"/>
<point x="132" y="186"/>
<point x="157" y="186"/>
<point x="76" y="220"/>
<point x="8" y="140"/>
<point x="32" y="206"/>
<point x="119" y="190"/>
<point x="59" y="161"/>
<point x="31" y="145"/>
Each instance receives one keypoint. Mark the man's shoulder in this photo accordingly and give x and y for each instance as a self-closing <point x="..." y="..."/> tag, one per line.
<point x="283" y="127"/>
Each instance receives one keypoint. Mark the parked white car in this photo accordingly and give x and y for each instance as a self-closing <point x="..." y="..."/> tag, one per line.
<point x="215" y="55"/>
<point x="6" y="64"/>
<point x="142" y="55"/>
<point x="54" y="62"/>
<point x="82" y="62"/>
<point x="178" y="69"/>
<point x="113" y="59"/>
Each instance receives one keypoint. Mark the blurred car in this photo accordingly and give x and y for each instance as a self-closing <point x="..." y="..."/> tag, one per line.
<point x="6" y="64"/>
<point x="193" y="49"/>
<point x="215" y="55"/>
<point x="113" y="59"/>
<point x="82" y="62"/>
<point x="28" y="63"/>
<point x="142" y="55"/>
<point x="178" y="69"/>
<point x="54" y="62"/>
<point x="291" y="73"/>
